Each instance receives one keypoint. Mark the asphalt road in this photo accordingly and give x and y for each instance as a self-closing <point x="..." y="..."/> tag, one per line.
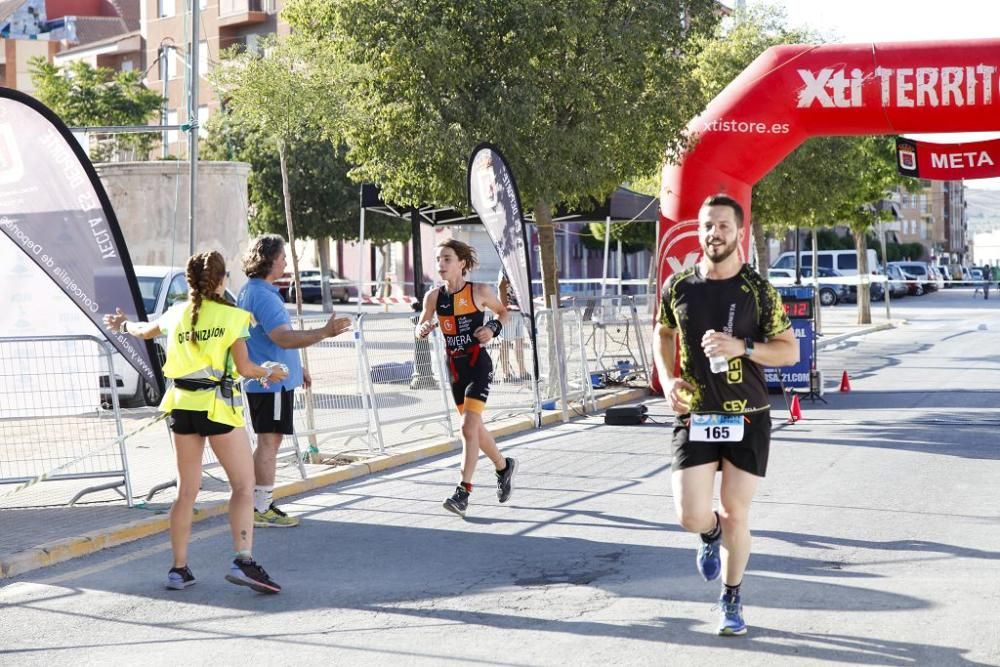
<point x="876" y="542"/>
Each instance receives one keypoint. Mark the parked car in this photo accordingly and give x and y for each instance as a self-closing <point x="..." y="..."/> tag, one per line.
<point x="922" y="273"/>
<point x="846" y="292"/>
<point x="160" y="287"/>
<point x="311" y="287"/>
<point x="831" y="292"/>
<point x="844" y="262"/>
<point x="898" y="287"/>
<point x="944" y="278"/>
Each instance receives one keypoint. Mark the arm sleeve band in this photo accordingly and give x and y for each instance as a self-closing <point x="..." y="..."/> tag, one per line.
<point x="495" y="326"/>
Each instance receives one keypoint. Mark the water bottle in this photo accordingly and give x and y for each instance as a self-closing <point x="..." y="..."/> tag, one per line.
<point x="718" y="363"/>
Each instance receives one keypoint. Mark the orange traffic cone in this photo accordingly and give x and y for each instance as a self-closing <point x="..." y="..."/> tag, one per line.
<point x="845" y="382"/>
<point x="795" y="411"/>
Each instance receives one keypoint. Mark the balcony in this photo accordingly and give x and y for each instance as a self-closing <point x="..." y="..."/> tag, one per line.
<point x="241" y="12"/>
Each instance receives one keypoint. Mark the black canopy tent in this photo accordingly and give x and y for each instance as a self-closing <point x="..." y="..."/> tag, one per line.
<point x="623" y="205"/>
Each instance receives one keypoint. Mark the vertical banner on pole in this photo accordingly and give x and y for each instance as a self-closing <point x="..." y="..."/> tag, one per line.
<point x="494" y="196"/>
<point x="54" y="208"/>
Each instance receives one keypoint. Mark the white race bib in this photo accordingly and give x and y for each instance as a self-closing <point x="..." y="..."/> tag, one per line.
<point x="716" y="428"/>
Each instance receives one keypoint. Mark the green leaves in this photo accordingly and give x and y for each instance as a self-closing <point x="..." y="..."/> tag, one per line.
<point x="578" y="94"/>
<point x="82" y="95"/>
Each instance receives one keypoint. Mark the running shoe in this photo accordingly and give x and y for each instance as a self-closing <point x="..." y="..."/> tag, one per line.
<point x="731" y="621"/>
<point x="459" y="502"/>
<point x="273" y="518"/>
<point x="708" y="561"/>
<point x="504" y="479"/>
<point x="180" y="578"/>
<point x="246" y="572"/>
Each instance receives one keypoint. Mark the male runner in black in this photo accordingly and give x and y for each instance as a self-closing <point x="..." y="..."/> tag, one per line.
<point x="720" y="307"/>
<point x="458" y="307"/>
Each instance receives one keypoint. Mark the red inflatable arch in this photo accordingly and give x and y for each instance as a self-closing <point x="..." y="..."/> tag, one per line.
<point x="792" y="93"/>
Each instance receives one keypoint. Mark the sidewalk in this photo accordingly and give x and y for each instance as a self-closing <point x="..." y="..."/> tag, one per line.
<point x="35" y="538"/>
<point x="32" y="538"/>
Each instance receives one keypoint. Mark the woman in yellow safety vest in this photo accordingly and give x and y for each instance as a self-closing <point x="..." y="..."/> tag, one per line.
<point x="205" y="343"/>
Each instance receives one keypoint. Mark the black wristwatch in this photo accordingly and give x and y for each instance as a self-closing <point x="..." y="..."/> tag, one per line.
<point x="748" y="344"/>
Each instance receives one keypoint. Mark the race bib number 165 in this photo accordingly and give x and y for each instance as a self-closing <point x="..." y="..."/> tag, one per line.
<point x="716" y="428"/>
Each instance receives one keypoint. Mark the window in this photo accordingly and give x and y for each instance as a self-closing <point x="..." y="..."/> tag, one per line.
<point x="172" y="63"/>
<point x="202" y="58"/>
<point x="824" y="260"/>
<point x="165" y="8"/>
<point x="178" y="290"/>
<point x="848" y="261"/>
<point x="253" y="43"/>
<point x="172" y="120"/>
<point x="202" y="120"/>
<point x="127" y="66"/>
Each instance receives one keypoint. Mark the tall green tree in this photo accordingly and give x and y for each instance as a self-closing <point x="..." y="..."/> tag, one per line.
<point x="82" y="96"/>
<point x="325" y="201"/>
<point x="578" y="94"/>
<point x="281" y="103"/>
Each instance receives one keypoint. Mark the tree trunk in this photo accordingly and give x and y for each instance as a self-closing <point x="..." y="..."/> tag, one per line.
<point x="383" y="287"/>
<point x="864" y="275"/>
<point x="547" y="243"/>
<point x="290" y="224"/>
<point x="550" y="287"/>
<point x="763" y="252"/>
<point x="323" y="252"/>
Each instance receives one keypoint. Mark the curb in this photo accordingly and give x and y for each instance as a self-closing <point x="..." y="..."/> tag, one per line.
<point x="830" y="340"/>
<point x="62" y="550"/>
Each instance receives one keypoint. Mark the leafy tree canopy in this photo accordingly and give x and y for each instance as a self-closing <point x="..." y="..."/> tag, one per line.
<point x="579" y="94"/>
<point x="82" y="95"/>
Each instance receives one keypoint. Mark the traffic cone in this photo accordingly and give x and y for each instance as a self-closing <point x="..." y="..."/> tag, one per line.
<point x="795" y="411"/>
<point x="845" y="382"/>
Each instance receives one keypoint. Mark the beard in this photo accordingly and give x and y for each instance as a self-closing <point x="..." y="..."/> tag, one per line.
<point x="718" y="254"/>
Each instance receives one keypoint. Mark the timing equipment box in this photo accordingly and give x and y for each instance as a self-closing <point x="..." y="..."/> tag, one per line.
<point x="626" y="415"/>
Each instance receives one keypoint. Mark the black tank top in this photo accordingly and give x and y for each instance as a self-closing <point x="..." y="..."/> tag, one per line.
<point x="459" y="317"/>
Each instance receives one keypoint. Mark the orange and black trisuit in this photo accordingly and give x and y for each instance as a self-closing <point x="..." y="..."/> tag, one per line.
<point x="471" y="367"/>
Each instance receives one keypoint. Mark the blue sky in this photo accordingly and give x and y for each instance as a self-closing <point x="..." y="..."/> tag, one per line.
<point x="851" y="21"/>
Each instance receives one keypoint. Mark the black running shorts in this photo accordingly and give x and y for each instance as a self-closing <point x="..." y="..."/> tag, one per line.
<point x="470" y="386"/>
<point x="195" y="422"/>
<point x="750" y="455"/>
<point x="262" y="415"/>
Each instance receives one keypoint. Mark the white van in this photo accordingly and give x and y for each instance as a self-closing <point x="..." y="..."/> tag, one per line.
<point x="844" y="262"/>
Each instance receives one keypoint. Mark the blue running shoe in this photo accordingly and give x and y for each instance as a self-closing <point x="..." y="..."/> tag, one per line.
<point x="179" y="578"/>
<point x="708" y="561"/>
<point x="731" y="623"/>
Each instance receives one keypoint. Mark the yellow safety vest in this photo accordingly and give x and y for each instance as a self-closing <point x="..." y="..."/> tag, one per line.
<point x="218" y="328"/>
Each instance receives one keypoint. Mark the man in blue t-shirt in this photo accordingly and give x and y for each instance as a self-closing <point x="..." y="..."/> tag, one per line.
<point x="273" y="338"/>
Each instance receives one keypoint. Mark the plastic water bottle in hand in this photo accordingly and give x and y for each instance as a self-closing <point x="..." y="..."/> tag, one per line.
<point x="717" y="363"/>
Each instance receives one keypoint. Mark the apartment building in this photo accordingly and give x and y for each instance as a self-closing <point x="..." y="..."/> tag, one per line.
<point x="223" y="24"/>
<point x="934" y="216"/>
<point x="46" y="28"/>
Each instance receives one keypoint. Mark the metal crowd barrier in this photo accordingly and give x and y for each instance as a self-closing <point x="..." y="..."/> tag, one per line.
<point x="52" y="425"/>
<point x="616" y="335"/>
<point x="375" y="388"/>
<point x="410" y="390"/>
<point x="513" y="389"/>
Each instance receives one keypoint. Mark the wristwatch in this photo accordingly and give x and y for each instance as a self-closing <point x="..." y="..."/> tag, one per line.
<point x="748" y="344"/>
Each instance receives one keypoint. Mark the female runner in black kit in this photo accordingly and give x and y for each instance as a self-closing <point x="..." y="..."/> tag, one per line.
<point x="458" y="306"/>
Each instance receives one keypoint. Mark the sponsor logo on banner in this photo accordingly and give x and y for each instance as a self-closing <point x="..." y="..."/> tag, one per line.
<point x="906" y="157"/>
<point x="900" y="87"/>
